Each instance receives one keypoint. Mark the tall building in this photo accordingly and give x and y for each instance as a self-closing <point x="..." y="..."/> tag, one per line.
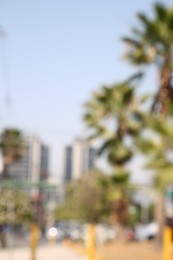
<point x="67" y="163"/>
<point x="34" y="164"/>
<point x="44" y="163"/>
<point x="79" y="158"/>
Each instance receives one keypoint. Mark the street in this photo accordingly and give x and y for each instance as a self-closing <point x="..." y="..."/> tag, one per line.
<point x="46" y="252"/>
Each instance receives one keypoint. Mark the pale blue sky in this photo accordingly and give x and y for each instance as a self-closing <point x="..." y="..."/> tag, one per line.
<point x="57" y="52"/>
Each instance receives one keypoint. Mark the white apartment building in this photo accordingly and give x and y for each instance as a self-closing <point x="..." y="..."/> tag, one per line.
<point x="34" y="165"/>
<point x="79" y="158"/>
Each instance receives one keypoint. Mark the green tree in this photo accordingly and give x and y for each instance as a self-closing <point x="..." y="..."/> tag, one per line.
<point x="152" y="43"/>
<point x="12" y="146"/>
<point x="112" y="116"/>
<point x="85" y="200"/>
<point x="155" y="142"/>
<point x="15" y="207"/>
<point x="117" y="192"/>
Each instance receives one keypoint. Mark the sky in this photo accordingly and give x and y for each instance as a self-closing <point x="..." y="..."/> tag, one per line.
<point x="54" y="53"/>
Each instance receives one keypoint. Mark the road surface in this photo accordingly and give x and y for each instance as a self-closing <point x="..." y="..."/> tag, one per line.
<point x="46" y="252"/>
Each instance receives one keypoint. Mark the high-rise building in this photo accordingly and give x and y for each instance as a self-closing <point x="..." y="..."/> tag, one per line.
<point x="79" y="158"/>
<point x="67" y="163"/>
<point x="34" y="164"/>
<point x="44" y="164"/>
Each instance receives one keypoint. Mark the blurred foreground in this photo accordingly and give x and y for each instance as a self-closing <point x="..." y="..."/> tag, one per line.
<point x="77" y="251"/>
<point x="69" y="241"/>
<point x="46" y="252"/>
<point x="130" y="251"/>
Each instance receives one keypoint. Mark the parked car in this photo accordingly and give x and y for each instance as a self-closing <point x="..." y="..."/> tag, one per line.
<point x="66" y="230"/>
<point x="146" y="231"/>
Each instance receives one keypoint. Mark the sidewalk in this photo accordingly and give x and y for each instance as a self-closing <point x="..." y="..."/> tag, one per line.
<point x="46" y="252"/>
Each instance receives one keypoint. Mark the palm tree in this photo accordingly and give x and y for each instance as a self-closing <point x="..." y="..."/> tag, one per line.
<point x="152" y="43"/>
<point x="155" y="141"/>
<point x="112" y="117"/>
<point x="11" y="144"/>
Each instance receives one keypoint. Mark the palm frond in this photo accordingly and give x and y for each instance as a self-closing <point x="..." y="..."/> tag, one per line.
<point x="160" y="11"/>
<point x="120" y="177"/>
<point x="144" y="98"/>
<point x="159" y="163"/>
<point x="147" y="145"/>
<point x="131" y="41"/>
<point x="160" y="125"/>
<point x="119" y="155"/>
<point x="135" y="78"/>
<point x="144" y="19"/>
<point x="107" y="145"/>
<point x="170" y="20"/>
<point x="164" y="178"/>
<point x="133" y="127"/>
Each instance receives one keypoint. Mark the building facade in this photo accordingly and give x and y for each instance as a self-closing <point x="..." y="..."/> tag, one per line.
<point x="67" y="163"/>
<point x="79" y="158"/>
<point x="34" y="164"/>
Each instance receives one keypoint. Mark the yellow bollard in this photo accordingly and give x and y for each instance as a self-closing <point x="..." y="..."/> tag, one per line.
<point x="91" y="242"/>
<point x="34" y="240"/>
<point x="167" y="241"/>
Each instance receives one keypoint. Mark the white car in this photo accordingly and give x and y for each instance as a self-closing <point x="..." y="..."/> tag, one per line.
<point x="146" y="231"/>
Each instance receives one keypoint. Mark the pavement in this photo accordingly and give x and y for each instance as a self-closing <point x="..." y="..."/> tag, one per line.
<point x="44" y="252"/>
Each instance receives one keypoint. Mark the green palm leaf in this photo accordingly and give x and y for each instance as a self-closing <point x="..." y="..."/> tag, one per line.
<point x="152" y="43"/>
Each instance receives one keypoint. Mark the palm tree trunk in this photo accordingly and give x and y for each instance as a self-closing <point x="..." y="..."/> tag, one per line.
<point x="163" y="98"/>
<point x="119" y="218"/>
<point x="165" y="93"/>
